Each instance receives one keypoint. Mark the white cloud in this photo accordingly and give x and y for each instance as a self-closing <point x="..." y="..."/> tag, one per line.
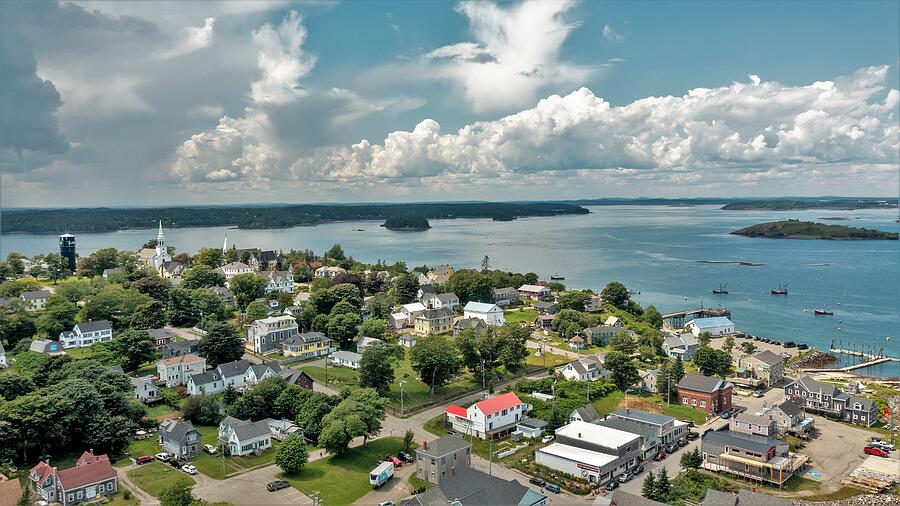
<point x="282" y="61"/>
<point x="192" y="38"/>
<point x="611" y="35"/>
<point x="741" y="132"/>
<point x="515" y="54"/>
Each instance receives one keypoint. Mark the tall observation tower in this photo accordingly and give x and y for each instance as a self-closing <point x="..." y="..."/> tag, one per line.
<point x="67" y="249"/>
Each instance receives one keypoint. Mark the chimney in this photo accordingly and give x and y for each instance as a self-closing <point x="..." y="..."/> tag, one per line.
<point x="425" y="444"/>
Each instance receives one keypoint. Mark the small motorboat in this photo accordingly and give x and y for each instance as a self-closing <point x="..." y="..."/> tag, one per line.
<point x="823" y="312"/>
<point x="721" y="290"/>
<point x="781" y="290"/>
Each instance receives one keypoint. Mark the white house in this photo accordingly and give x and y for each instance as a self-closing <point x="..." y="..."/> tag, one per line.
<point x="406" y="315"/>
<point x="534" y="292"/>
<point x="244" y="437"/>
<point x="266" y="335"/>
<point x="258" y="372"/>
<point x="3" y="362"/>
<point x="278" y="281"/>
<point x="593" y="452"/>
<point x="175" y="371"/>
<point x="234" y="268"/>
<point x="649" y="380"/>
<point x="614" y="321"/>
<point x="364" y="342"/>
<point x="492" y="314"/>
<point x="145" y="390"/>
<point x="85" y="334"/>
<point x="440" y="300"/>
<point x="35" y="300"/>
<point x="346" y="359"/>
<point x="234" y="374"/>
<point x="716" y="326"/>
<point x="493" y="417"/>
<point x="532" y="428"/>
<point x="209" y="382"/>
<point x="588" y="368"/>
<point x="329" y="272"/>
<point x="681" y="345"/>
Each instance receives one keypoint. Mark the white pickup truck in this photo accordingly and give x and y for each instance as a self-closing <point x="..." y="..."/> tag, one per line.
<point x="381" y="474"/>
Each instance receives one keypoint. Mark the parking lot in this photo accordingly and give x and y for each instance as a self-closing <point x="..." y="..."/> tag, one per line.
<point x="249" y="489"/>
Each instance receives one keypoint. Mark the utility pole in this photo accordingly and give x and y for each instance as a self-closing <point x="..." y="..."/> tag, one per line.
<point x="402" y="411"/>
<point x="327" y="355"/>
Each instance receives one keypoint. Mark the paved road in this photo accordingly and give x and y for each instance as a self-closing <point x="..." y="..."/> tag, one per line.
<point x="248" y="489"/>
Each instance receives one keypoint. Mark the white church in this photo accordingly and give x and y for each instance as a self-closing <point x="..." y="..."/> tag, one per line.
<point x="155" y="258"/>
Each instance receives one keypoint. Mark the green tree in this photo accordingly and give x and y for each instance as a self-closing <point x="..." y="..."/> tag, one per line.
<point x="623" y="371"/>
<point x="154" y="286"/>
<point x="58" y="315"/>
<point x="573" y="300"/>
<point x="284" y="299"/>
<point x="202" y="276"/>
<point x="380" y="305"/>
<point x="13" y="385"/>
<point x="408" y="437"/>
<point x="115" y="304"/>
<point x="712" y="362"/>
<point x="749" y="348"/>
<point x="616" y="294"/>
<point x="202" y="410"/>
<point x="178" y="494"/>
<point x="343" y="307"/>
<point x="75" y="289"/>
<point x="623" y="342"/>
<point x="691" y="460"/>
<point x="247" y="287"/>
<point x="648" y="488"/>
<point x="652" y="317"/>
<point x="373" y="327"/>
<point x="662" y="485"/>
<point x="57" y="267"/>
<point x="211" y="257"/>
<point x="292" y="455"/>
<point x="434" y="359"/>
<point x="134" y="347"/>
<point x="359" y="414"/>
<point x="149" y="316"/>
<point x="405" y="288"/>
<point x="728" y="344"/>
<point x="376" y="368"/>
<point x="257" y="310"/>
<point x="229" y="395"/>
<point x="221" y="344"/>
<point x="342" y="328"/>
<point x="25" y="497"/>
<point x="336" y="252"/>
<point x="704" y="338"/>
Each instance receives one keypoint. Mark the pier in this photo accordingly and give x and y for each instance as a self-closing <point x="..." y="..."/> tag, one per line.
<point x="871" y="359"/>
<point x="677" y="319"/>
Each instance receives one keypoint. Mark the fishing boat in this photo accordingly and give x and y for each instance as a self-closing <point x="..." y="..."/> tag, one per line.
<point x="721" y="290"/>
<point x="781" y="290"/>
<point x="557" y="277"/>
<point x="823" y="312"/>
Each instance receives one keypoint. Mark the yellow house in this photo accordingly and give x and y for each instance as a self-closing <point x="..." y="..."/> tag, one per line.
<point x="307" y="345"/>
<point x="434" y="321"/>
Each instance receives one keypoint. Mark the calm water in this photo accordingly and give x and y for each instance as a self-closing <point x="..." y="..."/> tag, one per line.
<point x="653" y="249"/>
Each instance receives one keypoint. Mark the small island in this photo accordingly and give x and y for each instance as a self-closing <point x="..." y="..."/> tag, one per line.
<point x="795" y="229"/>
<point x="406" y="223"/>
<point x="803" y="205"/>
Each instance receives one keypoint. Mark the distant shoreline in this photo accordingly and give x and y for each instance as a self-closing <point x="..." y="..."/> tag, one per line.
<point x="807" y="230"/>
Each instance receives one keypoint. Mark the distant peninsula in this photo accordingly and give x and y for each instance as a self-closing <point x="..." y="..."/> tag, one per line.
<point x="801" y="205"/>
<point x="794" y="229"/>
<point x="407" y="223"/>
<point x="98" y="220"/>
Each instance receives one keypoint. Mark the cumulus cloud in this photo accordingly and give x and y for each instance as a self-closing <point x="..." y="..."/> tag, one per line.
<point x="282" y="61"/>
<point x="611" y="35"/>
<point x="514" y="55"/>
<point x="191" y="39"/>
<point x="749" y="131"/>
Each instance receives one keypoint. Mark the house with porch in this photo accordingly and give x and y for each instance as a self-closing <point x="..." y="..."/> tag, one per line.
<point x="145" y="389"/>
<point x="307" y="345"/>
<point x="494" y="417"/>
<point x="534" y="292"/>
<point x="828" y="399"/>
<point x="86" y="334"/>
<point x="760" y="370"/>
<point x="503" y="297"/>
<point x="92" y="478"/>
<point x="180" y="438"/>
<point x="245" y="437"/>
<point x="266" y="335"/>
<point x="586" y="368"/>
<point x="757" y="458"/>
<point x="278" y="281"/>
<point x="175" y="371"/>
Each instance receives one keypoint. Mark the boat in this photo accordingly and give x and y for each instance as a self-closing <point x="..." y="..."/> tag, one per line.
<point x="823" y="312"/>
<point x="721" y="290"/>
<point x="781" y="290"/>
<point x="557" y="277"/>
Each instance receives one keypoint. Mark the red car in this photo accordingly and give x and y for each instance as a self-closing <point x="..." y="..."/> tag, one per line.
<point x="659" y="456"/>
<point x="143" y="459"/>
<point x="393" y="460"/>
<point x="878" y="452"/>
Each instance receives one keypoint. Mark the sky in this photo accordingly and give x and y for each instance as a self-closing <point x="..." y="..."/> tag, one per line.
<point x="117" y="103"/>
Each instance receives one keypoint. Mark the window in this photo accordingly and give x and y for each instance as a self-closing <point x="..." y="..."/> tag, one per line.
<point x="702" y="404"/>
<point x="693" y="402"/>
<point x="684" y="400"/>
<point x="101" y="488"/>
<point x="71" y="497"/>
<point x="79" y="494"/>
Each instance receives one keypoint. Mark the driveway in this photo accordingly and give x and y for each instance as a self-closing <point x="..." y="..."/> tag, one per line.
<point x="249" y="489"/>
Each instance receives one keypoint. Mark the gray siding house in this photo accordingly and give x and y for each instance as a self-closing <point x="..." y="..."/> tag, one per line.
<point x="180" y="438"/>
<point x="442" y="458"/>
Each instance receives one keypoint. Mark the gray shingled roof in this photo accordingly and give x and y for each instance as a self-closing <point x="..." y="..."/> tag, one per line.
<point x="534" y="423"/>
<point x="260" y="369"/>
<point x="444" y="445"/>
<point x="232" y="369"/>
<point x="758" y="444"/>
<point x="631" y="426"/>
<point x="205" y="378"/>
<point x="644" y="416"/>
<point x="587" y="413"/>
<point x="176" y="429"/>
<point x="471" y="487"/>
<point x="701" y="383"/>
<point x="161" y="333"/>
<point x="789" y="408"/>
<point x="35" y="294"/>
<point x="768" y="358"/>
<point x="622" y="498"/>
<point x="178" y="349"/>
<point x="245" y="429"/>
<point x="742" y="498"/>
<point x="94" y="326"/>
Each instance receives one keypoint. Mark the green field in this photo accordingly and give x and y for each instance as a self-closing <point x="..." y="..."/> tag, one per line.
<point x="523" y="315"/>
<point x="343" y="480"/>
<point x="155" y="477"/>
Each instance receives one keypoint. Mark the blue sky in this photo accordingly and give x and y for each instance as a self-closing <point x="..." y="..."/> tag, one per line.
<point x="158" y="102"/>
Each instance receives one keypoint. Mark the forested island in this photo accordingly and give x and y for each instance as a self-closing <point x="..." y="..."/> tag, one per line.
<point x="56" y="221"/>
<point x="407" y="223"/>
<point x="801" y="205"/>
<point x="794" y="229"/>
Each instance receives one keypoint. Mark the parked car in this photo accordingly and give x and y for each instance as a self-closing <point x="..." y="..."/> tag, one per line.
<point x="659" y="456"/>
<point x="143" y="459"/>
<point x="802" y="346"/>
<point x="189" y="468"/>
<point x="625" y="477"/>
<point x="537" y="481"/>
<point x="671" y="448"/>
<point x="175" y="463"/>
<point x="888" y="447"/>
<point x="692" y="436"/>
<point x="386" y="503"/>
<point x="682" y="442"/>
<point x="790" y="344"/>
<point x="552" y="488"/>
<point x="757" y="393"/>
<point x="725" y="415"/>
<point x="612" y="485"/>
<point x="393" y="460"/>
<point x="210" y="449"/>
<point x="405" y="457"/>
<point x="548" y="438"/>
<point x="162" y="457"/>
<point x="272" y="486"/>
<point x="878" y="452"/>
<point x="638" y="469"/>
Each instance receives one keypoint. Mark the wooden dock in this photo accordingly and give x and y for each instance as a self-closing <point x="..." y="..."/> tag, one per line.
<point x="855" y="353"/>
<point x="869" y="363"/>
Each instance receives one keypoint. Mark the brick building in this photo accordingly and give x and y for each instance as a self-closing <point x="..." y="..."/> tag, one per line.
<point x="711" y="395"/>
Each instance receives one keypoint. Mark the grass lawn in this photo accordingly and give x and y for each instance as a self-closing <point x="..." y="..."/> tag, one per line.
<point x="217" y="468"/>
<point x="79" y="353"/>
<point x="545" y="360"/>
<point x="338" y="377"/>
<point x="159" y="409"/>
<point x="140" y="447"/>
<point x="521" y="315"/>
<point x="608" y="404"/>
<point x="119" y="498"/>
<point x="155" y="477"/>
<point x="681" y="411"/>
<point x="344" y="479"/>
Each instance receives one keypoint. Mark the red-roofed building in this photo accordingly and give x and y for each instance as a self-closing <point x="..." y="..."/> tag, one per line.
<point x="10" y="491"/>
<point x="491" y="418"/>
<point x="92" y="477"/>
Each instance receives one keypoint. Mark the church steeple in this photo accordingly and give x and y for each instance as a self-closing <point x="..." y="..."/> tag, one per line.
<point x="160" y="240"/>
<point x="225" y="245"/>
